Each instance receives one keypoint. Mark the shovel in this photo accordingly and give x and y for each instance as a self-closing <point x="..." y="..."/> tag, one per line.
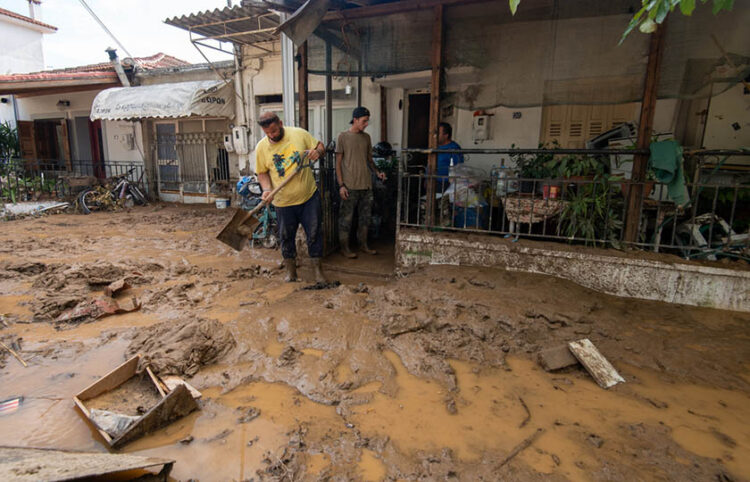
<point x="243" y="223"/>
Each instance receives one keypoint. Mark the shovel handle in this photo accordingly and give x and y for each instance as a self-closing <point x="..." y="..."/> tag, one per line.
<point x="278" y="188"/>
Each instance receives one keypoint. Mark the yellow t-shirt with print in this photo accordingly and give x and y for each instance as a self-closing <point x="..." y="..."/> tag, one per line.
<point x="281" y="159"/>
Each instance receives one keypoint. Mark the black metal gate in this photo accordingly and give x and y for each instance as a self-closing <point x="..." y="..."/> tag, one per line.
<point x="325" y="174"/>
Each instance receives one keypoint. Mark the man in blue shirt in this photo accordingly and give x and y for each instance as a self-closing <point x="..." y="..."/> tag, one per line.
<point x="444" y="161"/>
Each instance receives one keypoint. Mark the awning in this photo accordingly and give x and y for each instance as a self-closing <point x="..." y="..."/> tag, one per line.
<point x="182" y="99"/>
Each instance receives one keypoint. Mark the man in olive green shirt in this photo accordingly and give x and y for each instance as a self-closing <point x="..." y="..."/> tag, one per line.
<point x="353" y="166"/>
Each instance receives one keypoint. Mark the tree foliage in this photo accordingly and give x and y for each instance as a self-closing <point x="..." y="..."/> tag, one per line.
<point x="654" y="12"/>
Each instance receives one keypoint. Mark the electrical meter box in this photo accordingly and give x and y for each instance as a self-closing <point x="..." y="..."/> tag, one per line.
<point x="228" y="145"/>
<point x="240" y="140"/>
<point x="481" y="128"/>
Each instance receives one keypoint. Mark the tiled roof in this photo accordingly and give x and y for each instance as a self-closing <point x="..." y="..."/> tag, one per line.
<point x="24" y="18"/>
<point x="102" y="70"/>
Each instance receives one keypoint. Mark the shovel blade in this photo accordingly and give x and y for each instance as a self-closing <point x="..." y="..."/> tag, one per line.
<point x="237" y="231"/>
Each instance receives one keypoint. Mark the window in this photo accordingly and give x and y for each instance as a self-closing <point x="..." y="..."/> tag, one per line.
<point x="572" y="125"/>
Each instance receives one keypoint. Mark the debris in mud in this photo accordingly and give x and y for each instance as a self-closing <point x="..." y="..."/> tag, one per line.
<point x="254" y="271"/>
<point x="220" y="436"/>
<point x="288" y="356"/>
<point x="116" y="287"/>
<point x="323" y="286"/>
<point x="557" y="357"/>
<point x="187" y="440"/>
<point x="182" y="348"/>
<point x="90" y="310"/>
<point x="600" y="369"/>
<point x="251" y="413"/>
<point x="10" y="269"/>
<point x="10" y="405"/>
<point x="125" y="405"/>
<point x="595" y="440"/>
<point x="13" y="349"/>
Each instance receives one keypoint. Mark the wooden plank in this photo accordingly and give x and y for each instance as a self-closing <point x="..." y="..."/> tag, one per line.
<point x="302" y="83"/>
<point x="56" y="465"/>
<point x="600" y="369"/>
<point x="111" y="380"/>
<point x="172" y="381"/>
<point x="645" y="127"/>
<point x="435" y="87"/>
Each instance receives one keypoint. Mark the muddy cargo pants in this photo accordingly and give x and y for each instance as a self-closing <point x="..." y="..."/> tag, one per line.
<point x="309" y="215"/>
<point x="361" y="201"/>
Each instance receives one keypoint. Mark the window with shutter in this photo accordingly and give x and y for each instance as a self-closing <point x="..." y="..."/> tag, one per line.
<point x="572" y="125"/>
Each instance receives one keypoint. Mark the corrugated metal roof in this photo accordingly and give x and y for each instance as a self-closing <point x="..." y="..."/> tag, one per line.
<point x="249" y="23"/>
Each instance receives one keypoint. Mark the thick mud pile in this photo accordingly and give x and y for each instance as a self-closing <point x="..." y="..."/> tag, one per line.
<point x="427" y="375"/>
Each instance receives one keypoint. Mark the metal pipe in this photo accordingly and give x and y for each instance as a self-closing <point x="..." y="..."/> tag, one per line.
<point x="329" y="96"/>
<point x="287" y="76"/>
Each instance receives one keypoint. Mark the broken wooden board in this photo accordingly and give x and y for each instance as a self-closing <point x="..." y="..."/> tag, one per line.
<point x="556" y="358"/>
<point x="598" y="367"/>
<point x="171" y="381"/>
<point x="29" y="464"/>
<point x="174" y="404"/>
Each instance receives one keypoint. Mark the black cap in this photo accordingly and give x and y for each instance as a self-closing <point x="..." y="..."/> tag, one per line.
<point x="359" y="112"/>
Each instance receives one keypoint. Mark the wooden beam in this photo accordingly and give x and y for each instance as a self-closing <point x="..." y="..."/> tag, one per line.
<point x="302" y="83"/>
<point x="436" y="56"/>
<point x="63" y="90"/>
<point x="392" y="8"/>
<point x="383" y="114"/>
<point x="645" y="128"/>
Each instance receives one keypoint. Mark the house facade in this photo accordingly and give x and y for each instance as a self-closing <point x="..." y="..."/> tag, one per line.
<point x="21" y="49"/>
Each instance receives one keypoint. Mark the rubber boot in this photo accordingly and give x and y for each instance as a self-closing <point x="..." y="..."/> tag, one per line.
<point x="344" y="242"/>
<point x="362" y="235"/>
<point x="291" y="270"/>
<point x="318" y="271"/>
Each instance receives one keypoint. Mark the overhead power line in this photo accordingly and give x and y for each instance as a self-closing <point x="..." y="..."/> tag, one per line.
<point x="83" y="2"/>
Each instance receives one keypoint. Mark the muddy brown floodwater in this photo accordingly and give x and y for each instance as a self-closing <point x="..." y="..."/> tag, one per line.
<point x="431" y="374"/>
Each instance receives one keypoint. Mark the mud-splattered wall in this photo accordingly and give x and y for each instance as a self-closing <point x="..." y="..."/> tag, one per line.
<point x="637" y="275"/>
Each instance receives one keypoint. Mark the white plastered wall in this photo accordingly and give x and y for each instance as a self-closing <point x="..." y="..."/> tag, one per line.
<point x="20" y="49"/>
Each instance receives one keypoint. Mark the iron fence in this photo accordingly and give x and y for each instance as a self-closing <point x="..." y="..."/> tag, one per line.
<point x="32" y="180"/>
<point x="707" y="216"/>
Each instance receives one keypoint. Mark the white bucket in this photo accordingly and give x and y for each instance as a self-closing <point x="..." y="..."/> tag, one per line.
<point x="222" y="203"/>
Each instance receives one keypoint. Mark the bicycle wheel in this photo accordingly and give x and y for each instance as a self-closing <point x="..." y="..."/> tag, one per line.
<point x="138" y="196"/>
<point x="92" y="200"/>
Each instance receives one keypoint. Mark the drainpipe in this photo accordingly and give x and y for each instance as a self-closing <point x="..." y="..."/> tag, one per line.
<point x="287" y="76"/>
<point x="254" y="134"/>
<point x="118" y="67"/>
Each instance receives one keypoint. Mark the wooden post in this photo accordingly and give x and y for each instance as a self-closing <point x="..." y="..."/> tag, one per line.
<point x="302" y="83"/>
<point x="435" y="87"/>
<point x="645" y="127"/>
<point x="383" y="115"/>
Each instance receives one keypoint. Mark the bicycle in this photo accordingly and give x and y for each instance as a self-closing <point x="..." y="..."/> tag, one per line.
<point x="118" y="190"/>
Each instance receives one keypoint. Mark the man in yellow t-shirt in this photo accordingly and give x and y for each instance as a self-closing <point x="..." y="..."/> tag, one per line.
<point x="276" y="156"/>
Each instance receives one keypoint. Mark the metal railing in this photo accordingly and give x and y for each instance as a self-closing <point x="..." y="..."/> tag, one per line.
<point x="31" y="180"/>
<point x="706" y="218"/>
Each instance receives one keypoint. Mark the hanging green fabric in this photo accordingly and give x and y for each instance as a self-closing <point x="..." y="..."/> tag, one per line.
<point x="666" y="163"/>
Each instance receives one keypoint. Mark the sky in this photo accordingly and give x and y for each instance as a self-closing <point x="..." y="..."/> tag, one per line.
<point x="137" y="24"/>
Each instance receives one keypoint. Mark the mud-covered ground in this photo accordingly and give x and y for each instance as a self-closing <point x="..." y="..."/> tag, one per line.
<point x="427" y="375"/>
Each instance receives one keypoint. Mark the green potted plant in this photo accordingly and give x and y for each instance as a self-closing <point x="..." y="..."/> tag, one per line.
<point x="592" y="213"/>
<point x="531" y="167"/>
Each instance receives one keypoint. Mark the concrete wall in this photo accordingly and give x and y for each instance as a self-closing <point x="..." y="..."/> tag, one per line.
<point x="45" y="106"/>
<point x="117" y="135"/>
<point x="629" y="277"/>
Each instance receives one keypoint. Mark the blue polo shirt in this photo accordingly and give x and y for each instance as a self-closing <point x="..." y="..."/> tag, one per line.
<point x="444" y="160"/>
